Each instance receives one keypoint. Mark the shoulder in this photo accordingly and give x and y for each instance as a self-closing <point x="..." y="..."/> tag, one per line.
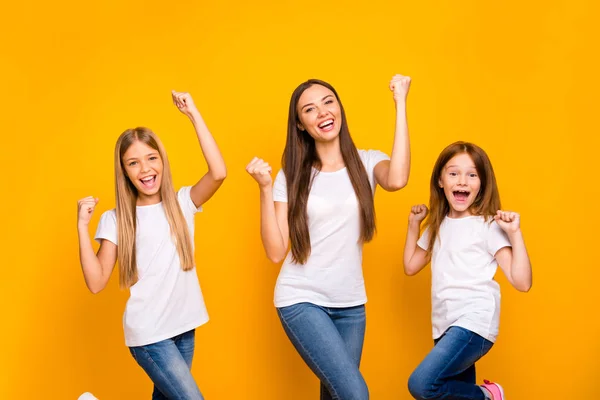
<point x="110" y="215"/>
<point x="372" y="157"/>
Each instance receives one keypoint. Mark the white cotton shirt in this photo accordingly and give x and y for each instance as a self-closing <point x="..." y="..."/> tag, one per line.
<point x="463" y="290"/>
<point x="166" y="300"/>
<point x="332" y="275"/>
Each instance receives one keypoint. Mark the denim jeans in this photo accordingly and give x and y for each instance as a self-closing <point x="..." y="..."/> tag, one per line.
<point x="330" y="340"/>
<point x="448" y="371"/>
<point x="168" y="364"/>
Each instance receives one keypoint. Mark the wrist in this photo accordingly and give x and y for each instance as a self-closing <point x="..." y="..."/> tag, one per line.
<point x="515" y="235"/>
<point x="400" y="102"/>
<point x="414" y="224"/>
<point x="264" y="189"/>
<point x="194" y="116"/>
<point x="82" y="226"/>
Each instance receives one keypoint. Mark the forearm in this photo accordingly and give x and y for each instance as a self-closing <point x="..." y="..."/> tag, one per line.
<point x="270" y="232"/>
<point x="400" y="158"/>
<point x="90" y="264"/>
<point x="520" y="270"/>
<point x="209" y="147"/>
<point x="410" y="246"/>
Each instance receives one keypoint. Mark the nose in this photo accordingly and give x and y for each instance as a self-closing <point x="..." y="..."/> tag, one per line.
<point x="322" y="111"/>
<point x="462" y="179"/>
<point x="145" y="166"/>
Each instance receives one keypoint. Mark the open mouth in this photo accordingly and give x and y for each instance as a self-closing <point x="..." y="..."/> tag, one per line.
<point x="326" y="125"/>
<point x="461" y="195"/>
<point x="148" y="181"/>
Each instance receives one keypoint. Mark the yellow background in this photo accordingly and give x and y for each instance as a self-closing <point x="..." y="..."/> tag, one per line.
<point x="519" y="78"/>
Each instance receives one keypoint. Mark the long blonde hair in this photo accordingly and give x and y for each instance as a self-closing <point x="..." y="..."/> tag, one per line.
<point x="487" y="201"/>
<point x="126" y="198"/>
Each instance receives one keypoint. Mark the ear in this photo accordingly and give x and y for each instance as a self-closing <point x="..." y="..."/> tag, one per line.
<point x="440" y="183"/>
<point x="300" y="127"/>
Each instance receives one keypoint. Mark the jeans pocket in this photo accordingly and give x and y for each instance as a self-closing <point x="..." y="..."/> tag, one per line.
<point x="288" y="313"/>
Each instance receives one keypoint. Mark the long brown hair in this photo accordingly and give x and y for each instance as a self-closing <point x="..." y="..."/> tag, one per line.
<point x="487" y="201"/>
<point x="300" y="156"/>
<point x="126" y="197"/>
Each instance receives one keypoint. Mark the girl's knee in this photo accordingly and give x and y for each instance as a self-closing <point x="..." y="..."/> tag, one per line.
<point x="420" y="387"/>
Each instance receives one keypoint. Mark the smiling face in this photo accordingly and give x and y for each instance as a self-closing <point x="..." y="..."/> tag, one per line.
<point x="319" y="113"/>
<point x="461" y="183"/>
<point x="143" y="166"/>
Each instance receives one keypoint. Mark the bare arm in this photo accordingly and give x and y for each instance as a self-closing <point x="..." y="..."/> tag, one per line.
<point x="415" y="258"/>
<point x="96" y="268"/>
<point x="274" y="229"/>
<point x="393" y="175"/>
<point x="514" y="261"/>
<point x="206" y="187"/>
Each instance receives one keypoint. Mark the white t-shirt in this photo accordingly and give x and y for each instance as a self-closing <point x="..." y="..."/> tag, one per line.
<point x="463" y="290"/>
<point x="166" y="300"/>
<point x="332" y="275"/>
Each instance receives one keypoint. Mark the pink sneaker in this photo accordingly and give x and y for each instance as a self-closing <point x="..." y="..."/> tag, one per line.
<point x="495" y="389"/>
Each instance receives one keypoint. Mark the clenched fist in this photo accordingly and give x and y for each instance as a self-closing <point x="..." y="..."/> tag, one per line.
<point x="399" y="85"/>
<point x="184" y="103"/>
<point x="85" y="209"/>
<point x="509" y="221"/>
<point x="418" y="213"/>
<point x="260" y="170"/>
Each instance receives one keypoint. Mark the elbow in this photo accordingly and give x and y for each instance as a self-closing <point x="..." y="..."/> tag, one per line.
<point x="276" y="255"/>
<point x="275" y="258"/>
<point x="397" y="184"/>
<point x="524" y="287"/>
<point x="95" y="289"/>
<point x="219" y="176"/>
<point x="408" y="271"/>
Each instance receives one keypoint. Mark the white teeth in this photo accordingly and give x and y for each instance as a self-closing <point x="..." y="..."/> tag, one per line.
<point x="323" y="124"/>
<point x="148" y="179"/>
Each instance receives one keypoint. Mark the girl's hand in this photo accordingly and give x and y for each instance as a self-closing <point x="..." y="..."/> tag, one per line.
<point x="184" y="102"/>
<point x="399" y="85"/>
<point x="509" y="221"/>
<point x="260" y="171"/>
<point x="85" y="209"/>
<point x="418" y="213"/>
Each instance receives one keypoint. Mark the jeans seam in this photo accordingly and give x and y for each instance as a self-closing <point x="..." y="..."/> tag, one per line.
<point x="334" y="395"/>
<point x="455" y="355"/>
<point x="160" y="371"/>
<point x="483" y="344"/>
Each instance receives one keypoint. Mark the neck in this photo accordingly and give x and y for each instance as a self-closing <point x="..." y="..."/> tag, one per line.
<point x="459" y="214"/>
<point x="145" y="200"/>
<point x="330" y="154"/>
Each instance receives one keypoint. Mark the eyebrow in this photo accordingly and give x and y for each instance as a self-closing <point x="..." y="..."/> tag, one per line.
<point x="312" y="104"/>
<point x="458" y="166"/>
<point x="147" y="155"/>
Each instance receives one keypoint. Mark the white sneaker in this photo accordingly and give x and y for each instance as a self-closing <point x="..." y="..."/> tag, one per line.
<point x="87" y="396"/>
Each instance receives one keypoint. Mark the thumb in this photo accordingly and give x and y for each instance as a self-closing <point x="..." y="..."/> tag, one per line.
<point x="96" y="200"/>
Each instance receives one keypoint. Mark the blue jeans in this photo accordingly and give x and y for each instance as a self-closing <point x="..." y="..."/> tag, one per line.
<point x="448" y="371"/>
<point x="330" y="340"/>
<point x="168" y="364"/>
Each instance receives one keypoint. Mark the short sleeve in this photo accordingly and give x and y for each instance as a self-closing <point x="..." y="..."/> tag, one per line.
<point x="185" y="201"/>
<point x="423" y="241"/>
<point x="280" y="188"/>
<point x="496" y="238"/>
<point x="107" y="227"/>
<point x="370" y="159"/>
